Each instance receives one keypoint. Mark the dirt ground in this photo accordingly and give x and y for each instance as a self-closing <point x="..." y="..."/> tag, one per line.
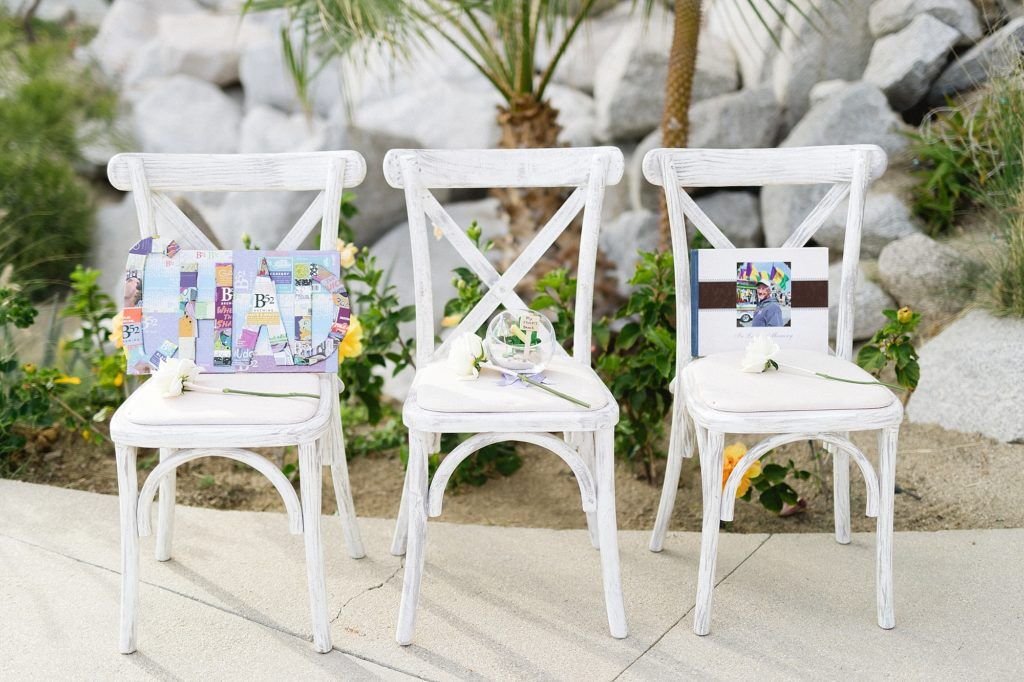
<point x="948" y="480"/>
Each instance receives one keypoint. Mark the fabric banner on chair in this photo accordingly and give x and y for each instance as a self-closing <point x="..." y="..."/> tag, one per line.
<point x="233" y="311"/>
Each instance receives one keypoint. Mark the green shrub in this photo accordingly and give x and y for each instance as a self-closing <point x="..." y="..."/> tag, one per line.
<point x="970" y="155"/>
<point x="46" y="102"/>
<point x="1005" y="278"/>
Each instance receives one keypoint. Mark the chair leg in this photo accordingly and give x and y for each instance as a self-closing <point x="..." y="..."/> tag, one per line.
<point x="887" y="439"/>
<point x="165" y="510"/>
<point x="680" y="446"/>
<point x="587" y="449"/>
<point x="841" y="492"/>
<point x="398" y="539"/>
<point x="608" y="530"/>
<point x="128" y="499"/>
<point x="343" y="492"/>
<point x="416" y="493"/>
<point x="310" y="487"/>
<point x="711" y="446"/>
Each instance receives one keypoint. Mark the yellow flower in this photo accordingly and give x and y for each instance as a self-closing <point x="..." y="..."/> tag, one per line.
<point x="904" y="314"/>
<point x="348" y="253"/>
<point x="29" y="368"/>
<point x="116" y="335"/>
<point x="438" y="233"/>
<point x="731" y="457"/>
<point x="118" y="380"/>
<point x="86" y="434"/>
<point x="352" y="345"/>
<point x="65" y="379"/>
<point x="451" y="320"/>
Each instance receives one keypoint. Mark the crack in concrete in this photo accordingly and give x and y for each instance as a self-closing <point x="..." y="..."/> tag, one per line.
<point x="269" y="626"/>
<point x="690" y="610"/>
<point x="348" y="601"/>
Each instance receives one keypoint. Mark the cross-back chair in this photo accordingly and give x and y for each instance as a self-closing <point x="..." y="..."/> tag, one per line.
<point x="800" y="407"/>
<point x="197" y="425"/>
<point x="439" y="403"/>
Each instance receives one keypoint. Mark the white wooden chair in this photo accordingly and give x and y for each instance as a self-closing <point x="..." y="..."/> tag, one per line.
<point x="801" y="407"/>
<point x="440" y="404"/>
<point x="198" y="425"/>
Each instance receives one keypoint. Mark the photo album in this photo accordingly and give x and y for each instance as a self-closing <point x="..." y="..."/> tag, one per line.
<point x="738" y="294"/>
<point x="233" y="311"/>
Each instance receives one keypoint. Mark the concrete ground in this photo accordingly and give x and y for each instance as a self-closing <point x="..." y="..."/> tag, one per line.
<point x="497" y="603"/>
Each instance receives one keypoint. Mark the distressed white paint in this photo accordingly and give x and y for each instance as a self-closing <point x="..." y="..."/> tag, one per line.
<point x="849" y="169"/>
<point x="587" y="442"/>
<point x="320" y="439"/>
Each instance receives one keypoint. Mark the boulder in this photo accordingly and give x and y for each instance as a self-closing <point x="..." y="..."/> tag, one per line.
<point x="926" y="275"/>
<point x="89" y="12"/>
<point x="115" y="230"/>
<point x="126" y="27"/>
<point x="826" y="40"/>
<point x="739" y="120"/>
<point x="578" y="65"/>
<point x="623" y="237"/>
<point x="972" y="379"/>
<point x="205" y="45"/>
<point x="575" y="115"/>
<point x="869" y="300"/>
<point x="995" y="56"/>
<point x="857" y="113"/>
<point x="886" y="218"/>
<point x="904" y="64"/>
<point x="890" y="16"/>
<point x="629" y="85"/>
<point x="269" y="130"/>
<point x="747" y="28"/>
<point x="737" y="214"/>
<point x="182" y="114"/>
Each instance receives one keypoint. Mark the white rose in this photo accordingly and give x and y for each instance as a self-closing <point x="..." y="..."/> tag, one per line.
<point x="760" y="355"/>
<point x="173" y="374"/>
<point x="465" y="356"/>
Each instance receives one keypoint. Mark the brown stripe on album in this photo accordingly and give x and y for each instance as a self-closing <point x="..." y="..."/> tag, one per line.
<point x="807" y="293"/>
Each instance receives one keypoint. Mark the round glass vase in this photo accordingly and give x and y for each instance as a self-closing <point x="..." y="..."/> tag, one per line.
<point x="520" y="341"/>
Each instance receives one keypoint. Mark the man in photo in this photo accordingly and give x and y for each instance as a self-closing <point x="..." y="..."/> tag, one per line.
<point x="769" y="312"/>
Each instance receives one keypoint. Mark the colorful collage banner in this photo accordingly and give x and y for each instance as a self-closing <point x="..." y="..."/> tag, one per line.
<point x="233" y="311"/>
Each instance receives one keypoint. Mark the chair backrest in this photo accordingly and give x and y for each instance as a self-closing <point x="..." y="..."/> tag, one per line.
<point x="151" y="176"/>
<point x="849" y="169"/>
<point x="589" y="170"/>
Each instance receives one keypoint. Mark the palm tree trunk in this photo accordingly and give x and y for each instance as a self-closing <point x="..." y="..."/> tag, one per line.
<point x="682" y="61"/>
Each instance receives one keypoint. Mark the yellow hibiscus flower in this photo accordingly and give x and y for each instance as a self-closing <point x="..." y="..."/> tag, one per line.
<point x="65" y="379"/>
<point x="352" y="345"/>
<point x="731" y="457"/>
<point x="451" y="320"/>
<point x="348" y="253"/>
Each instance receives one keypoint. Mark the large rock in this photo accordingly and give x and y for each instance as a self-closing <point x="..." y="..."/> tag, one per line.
<point x="578" y="64"/>
<point x="869" y="300"/>
<point x="205" y="45"/>
<point x="625" y="236"/>
<point x="856" y="113"/>
<point x="904" y="64"/>
<point x="736" y="213"/>
<point x="629" y="86"/>
<point x="183" y="114"/>
<point x="750" y="29"/>
<point x="826" y="40"/>
<point x="886" y="218"/>
<point x="972" y="378"/>
<point x="89" y="12"/>
<point x="995" y="56"/>
<point x="890" y="16"/>
<point x="739" y="120"/>
<point x="575" y="115"/>
<point x="926" y="275"/>
<point x="126" y="27"/>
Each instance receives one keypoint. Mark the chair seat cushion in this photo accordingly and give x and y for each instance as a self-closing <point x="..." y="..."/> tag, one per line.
<point x="146" y="406"/>
<point x="721" y="385"/>
<point x="438" y="390"/>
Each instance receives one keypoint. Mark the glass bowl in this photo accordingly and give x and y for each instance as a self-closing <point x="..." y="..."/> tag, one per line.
<point x="520" y="341"/>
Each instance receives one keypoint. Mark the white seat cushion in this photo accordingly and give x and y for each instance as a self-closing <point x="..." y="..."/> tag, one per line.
<point x="438" y="390"/>
<point x="721" y="385"/>
<point x="146" y="406"/>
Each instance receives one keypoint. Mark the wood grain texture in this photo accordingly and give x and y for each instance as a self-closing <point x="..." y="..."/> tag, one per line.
<point x="416" y="495"/>
<point x="297" y="172"/>
<point x="759" y="167"/>
<point x="165" y="510"/>
<point x="711" y="449"/>
<point x="608" y="532"/>
<point x="841" y="491"/>
<point x="127" y="495"/>
<point x="887" y="439"/>
<point x="336" y="459"/>
<point x="311" y="487"/>
<point x="494" y="168"/>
